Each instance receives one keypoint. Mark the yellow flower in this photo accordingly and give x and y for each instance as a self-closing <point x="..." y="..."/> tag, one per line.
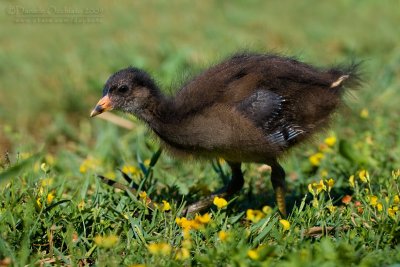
<point x="396" y="174"/>
<point x="315" y="202"/>
<point x="89" y="164"/>
<point x="143" y="194"/>
<point x="396" y="199"/>
<point x="330" y="183"/>
<point x="373" y="200"/>
<point x="129" y="169"/>
<point x="147" y="162"/>
<point x="315" y="159"/>
<point x="182" y="254"/>
<point x="254" y="215"/>
<point x="330" y="141"/>
<point x="44" y="167"/>
<point x="159" y="248"/>
<point x="222" y="235"/>
<point x="50" y="197"/>
<point x="351" y="181"/>
<point x="364" y="176"/>
<point x="50" y="159"/>
<point x="267" y="210"/>
<point x="331" y="208"/>
<point x="83" y="168"/>
<point x="38" y="202"/>
<point x="324" y="173"/>
<point x="364" y="113"/>
<point x="188" y="224"/>
<point x="106" y="241"/>
<point x="166" y="206"/>
<point x="81" y="205"/>
<point x="392" y="211"/>
<point x="379" y="207"/>
<point x="203" y="219"/>
<point x="221" y="161"/>
<point x="181" y="222"/>
<point x="187" y="243"/>
<point x="320" y="186"/>
<point x="311" y="189"/>
<point x="253" y="254"/>
<point x="46" y="182"/>
<point x="110" y="175"/>
<point x="285" y="224"/>
<point x="137" y="265"/>
<point x="220" y="202"/>
<point x="316" y="188"/>
<point x="25" y="155"/>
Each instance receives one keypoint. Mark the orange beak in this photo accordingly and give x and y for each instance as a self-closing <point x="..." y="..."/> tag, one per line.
<point x="103" y="105"/>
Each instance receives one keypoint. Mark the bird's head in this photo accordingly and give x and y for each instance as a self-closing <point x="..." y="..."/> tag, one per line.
<point x="128" y="90"/>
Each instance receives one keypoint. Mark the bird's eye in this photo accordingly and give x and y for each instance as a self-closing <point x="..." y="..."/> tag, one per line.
<point x="123" y="89"/>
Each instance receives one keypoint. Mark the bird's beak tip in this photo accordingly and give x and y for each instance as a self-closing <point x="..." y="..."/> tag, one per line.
<point x="94" y="113"/>
<point x="103" y="105"/>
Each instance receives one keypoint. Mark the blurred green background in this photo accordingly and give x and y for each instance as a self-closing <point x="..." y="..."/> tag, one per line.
<point x="51" y="74"/>
<point x="54" y="59"/>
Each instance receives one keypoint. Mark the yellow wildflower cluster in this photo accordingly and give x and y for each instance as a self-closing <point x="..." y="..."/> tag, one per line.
<point x="183" y="253"/>
<point x="256" y="253"/>
<point x="316" y="158"/>
<point x="392" y="211"/>
<point x="162" y="248"/>
<point x="285" y="224"/>
<point x="220" y="202"/>
<point x="396" y="174"/>
<point x="107" y="241"/>
<point x="223" y="235"/>
<point x="131" y="170"/>
<point x="364" y="113"/>
<point x="330" y="141"/>
<point x="147" y="162"/>
<point x="316" y="188"/>
<point x="143" y="194"/>
<point x="44" y="183"/>
<point x="373" y="201"/>
<point x="363" y="176"/>
<point x="197" y="223"/>
<point x="89" y="164"/>
<point x="256" y="215"/>
<point x="253" y="254"/>
<point x="165" y="206"/>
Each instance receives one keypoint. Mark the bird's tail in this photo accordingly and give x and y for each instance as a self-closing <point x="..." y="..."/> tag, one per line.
<point x="346" y="76"/>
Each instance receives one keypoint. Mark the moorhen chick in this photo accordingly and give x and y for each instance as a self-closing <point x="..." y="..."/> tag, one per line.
<point x="248" y="108"/>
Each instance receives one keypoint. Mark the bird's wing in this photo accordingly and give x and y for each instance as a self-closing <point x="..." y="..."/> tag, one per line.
<point x="265" y="109"/>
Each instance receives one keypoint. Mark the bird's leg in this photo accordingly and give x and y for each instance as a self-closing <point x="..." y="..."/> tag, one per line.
<point x="279" y="185"/>
<point x="233" y="187"/>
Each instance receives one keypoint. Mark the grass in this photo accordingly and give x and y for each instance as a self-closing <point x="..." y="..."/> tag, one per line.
<point x="54" y="211"/>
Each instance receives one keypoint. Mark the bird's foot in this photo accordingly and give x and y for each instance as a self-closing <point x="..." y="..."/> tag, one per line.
<point x="204" y="203"/>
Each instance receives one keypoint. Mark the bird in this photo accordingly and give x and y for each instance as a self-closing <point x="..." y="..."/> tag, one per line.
<point x="250" y="107"/>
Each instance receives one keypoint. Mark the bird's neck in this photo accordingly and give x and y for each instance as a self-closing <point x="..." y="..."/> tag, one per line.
<point x="161" y="116"/>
